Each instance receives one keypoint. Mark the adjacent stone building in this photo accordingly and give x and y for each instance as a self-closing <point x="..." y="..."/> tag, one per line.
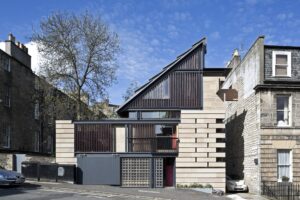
<point x="262" y="123"/>
<point x="29" y="105"/>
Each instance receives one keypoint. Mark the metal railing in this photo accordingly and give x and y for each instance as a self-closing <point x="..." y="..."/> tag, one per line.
<point x="160" y="144"/>
<point x="281" y="191"/>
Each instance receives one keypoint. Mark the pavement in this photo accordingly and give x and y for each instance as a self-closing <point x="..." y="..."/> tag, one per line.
<point x="65" y="191"/>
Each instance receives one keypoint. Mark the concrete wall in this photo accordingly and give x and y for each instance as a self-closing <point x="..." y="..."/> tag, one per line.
<point x="65" y="142"/>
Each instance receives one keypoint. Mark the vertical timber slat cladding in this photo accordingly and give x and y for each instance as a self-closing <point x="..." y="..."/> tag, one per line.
<point x="142" y="131"/>
<point x="93" y="138"/>
<point x="184" y="93"/>
<point x="181" y="91"/>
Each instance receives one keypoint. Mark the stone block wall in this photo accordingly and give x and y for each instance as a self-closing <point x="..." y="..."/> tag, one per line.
<point x="242" y="118"/>
<point x="271" y="141"/>
<point x="201" y="148"/>
<point x="65" y="142"/>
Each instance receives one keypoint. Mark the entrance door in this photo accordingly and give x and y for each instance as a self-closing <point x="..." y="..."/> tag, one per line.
<point x="169" y="172"/>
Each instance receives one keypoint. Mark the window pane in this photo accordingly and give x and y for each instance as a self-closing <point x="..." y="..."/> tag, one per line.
<point x="283" y="111"/>
<point x="281" y="59"/>
<point x="282" y="102"/>
<point x="281" y="70"/>
<point x="132" y="115"/>
<point x="283" y="163"/>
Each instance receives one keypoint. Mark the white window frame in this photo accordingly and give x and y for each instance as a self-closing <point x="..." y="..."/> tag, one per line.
<point x="291" y="165"/>
<point x="289" y="63"/>
<point x="290" y="110"/>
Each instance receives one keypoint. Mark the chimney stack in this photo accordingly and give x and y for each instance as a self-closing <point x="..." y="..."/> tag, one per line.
<point x="235" y="60"/>
<point x="11" y="38"/>
<point x="17" y="50"/>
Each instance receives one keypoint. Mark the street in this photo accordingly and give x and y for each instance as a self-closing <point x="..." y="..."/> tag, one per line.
<point x="65" y="191"/>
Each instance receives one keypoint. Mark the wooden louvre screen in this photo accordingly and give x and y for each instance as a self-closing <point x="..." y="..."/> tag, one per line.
<point x="94" y="138"/>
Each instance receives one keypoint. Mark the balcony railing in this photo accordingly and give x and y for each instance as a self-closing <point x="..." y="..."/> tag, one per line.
<point x="161" y="144"/>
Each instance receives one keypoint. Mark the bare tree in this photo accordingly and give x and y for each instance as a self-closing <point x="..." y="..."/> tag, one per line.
<point x="78" y="54"/>
<point x="130" y="90"/>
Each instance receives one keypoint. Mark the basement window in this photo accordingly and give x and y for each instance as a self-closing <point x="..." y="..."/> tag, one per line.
<point x="281" y="63"/>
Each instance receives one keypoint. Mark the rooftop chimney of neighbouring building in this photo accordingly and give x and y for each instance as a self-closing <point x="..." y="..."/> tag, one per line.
<point x="17" y="50"/>
<point x="235" y="60"/>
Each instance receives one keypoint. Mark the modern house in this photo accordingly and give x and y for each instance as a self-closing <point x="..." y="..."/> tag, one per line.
<point x="263" y="123"/>
<point x="29" y="106"/>
<point x="171" y="132"/>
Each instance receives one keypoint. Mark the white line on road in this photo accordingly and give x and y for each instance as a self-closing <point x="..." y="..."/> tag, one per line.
<point x="146" y="191"/>
<point x="102" y="194"/>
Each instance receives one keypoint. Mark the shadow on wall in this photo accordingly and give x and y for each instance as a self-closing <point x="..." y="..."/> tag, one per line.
<point x="235" y="145"/>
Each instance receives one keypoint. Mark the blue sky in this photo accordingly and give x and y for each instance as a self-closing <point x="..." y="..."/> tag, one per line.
<point x="154" y="32"/>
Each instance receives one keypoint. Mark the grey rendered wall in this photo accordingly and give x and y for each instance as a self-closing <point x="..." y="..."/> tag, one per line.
<point x="99" y="169"/>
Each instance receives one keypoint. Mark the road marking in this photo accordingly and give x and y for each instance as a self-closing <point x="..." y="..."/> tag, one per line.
<point x="101" y="194"/>
<point x="146" y="191"/>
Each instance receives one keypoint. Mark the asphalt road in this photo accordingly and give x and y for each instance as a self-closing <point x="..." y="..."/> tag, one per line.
<point x="65" y="191"/>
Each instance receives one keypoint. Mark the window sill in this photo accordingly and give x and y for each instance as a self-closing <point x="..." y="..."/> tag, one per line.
<point x="287" y="76"/>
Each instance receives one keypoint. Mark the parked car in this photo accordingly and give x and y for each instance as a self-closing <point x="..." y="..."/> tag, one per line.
<point x="234" y="184"/>
<point x="8" y="177"/>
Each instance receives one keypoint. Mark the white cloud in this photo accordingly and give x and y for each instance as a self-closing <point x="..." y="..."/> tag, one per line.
<point x="2" y="46"/>
<point x="35" y="56"/>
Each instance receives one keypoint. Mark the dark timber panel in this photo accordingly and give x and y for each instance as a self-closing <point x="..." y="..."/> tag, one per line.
<point x="192" y="61"/>
<point x="184" y="93"/>
<point x="184" y="86"/>
<point x="94" y="138"/>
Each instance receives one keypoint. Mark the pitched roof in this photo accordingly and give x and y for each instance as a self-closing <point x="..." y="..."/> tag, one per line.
<point x="165" y="69"/>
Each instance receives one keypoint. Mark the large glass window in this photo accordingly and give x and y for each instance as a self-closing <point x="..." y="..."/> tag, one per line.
<point x="164" y="130"/>
<point x="160" y="114"/>
<point x="284" y="164"/>
<point x="283" y="110"/>
<point x="281" y="63"/>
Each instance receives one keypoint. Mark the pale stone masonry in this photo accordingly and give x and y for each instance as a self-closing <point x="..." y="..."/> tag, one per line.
<point x="197" y="161"/>
<point x="65" y="142"/>
<point x="254" y="136"/>
<point x="202" y="140"/>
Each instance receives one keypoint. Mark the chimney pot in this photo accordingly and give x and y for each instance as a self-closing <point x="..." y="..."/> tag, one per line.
<point x="236" y="52"/>
<point x="11" y="37"/>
